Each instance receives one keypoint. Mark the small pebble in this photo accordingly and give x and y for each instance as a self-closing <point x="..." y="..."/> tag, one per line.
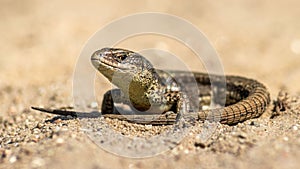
<point x="199" y="142"/>
<point x="148" y="127"/>
<point x="40" y="125"/>
<point x="254" y="123"/>
<point x="242" y="135"/>
<point x="35" y="138"/>
<point x="36" y="131"/>
<point x="57" y="129"/>
<point x="37" y="162"/>
<point x="13" y="159"/>
<point x="60" y="141"/>
<point x="295" y="128"/>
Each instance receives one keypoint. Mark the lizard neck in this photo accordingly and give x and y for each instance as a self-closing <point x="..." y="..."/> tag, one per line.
<point x="142" y="87"/>
<point x="154" y="91"/>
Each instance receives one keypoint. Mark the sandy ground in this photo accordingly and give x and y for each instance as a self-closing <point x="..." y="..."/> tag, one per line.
<point x="39" y="46"/>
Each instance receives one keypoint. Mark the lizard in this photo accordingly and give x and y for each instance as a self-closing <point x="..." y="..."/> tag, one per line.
<point x="157" y="92"/>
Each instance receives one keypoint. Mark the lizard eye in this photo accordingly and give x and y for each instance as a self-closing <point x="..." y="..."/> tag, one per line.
<point x="121" y="57"/>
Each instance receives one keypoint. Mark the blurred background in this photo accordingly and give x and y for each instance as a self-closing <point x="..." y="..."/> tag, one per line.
<point x="40" y="41"/>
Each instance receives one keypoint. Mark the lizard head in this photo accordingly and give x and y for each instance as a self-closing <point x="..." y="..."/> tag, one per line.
<point x="129" y="71"/>
<point x="114" y="63"/>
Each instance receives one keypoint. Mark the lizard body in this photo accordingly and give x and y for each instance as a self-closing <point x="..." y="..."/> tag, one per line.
<point x="152" y="91"/>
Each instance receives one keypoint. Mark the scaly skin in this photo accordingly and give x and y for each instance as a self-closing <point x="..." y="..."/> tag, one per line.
<point x="245" y="98"/>
<point x="156" y="92"/>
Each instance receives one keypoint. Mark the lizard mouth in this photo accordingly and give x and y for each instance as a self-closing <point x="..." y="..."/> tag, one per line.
<point x="104" y="63"/>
